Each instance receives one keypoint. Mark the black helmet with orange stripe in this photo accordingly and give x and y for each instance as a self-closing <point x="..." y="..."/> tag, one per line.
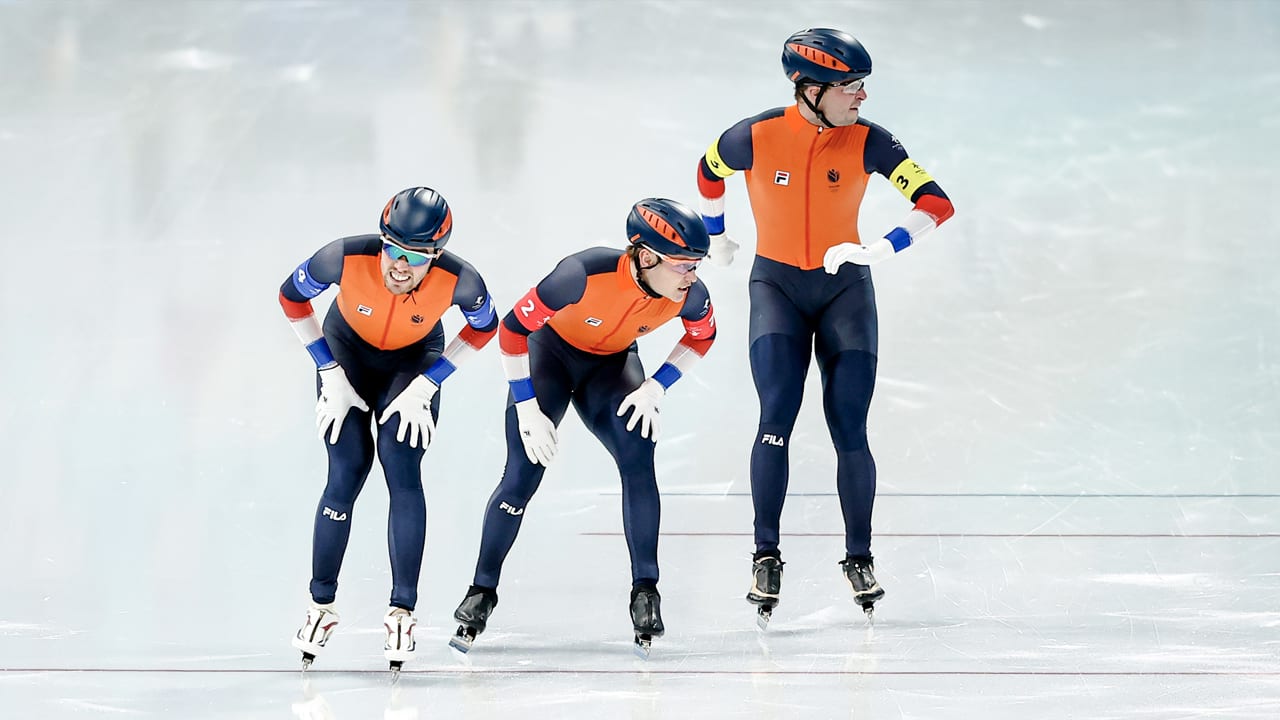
<point x="668" y="228"/>
<point x="821" y="56"/>
<point x="417" y="218"/>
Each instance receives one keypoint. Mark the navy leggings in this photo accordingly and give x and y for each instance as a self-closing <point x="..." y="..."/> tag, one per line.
<point x="595" y="385"/>
<point x="795" y="314"/>
<point x="378" y="377"/>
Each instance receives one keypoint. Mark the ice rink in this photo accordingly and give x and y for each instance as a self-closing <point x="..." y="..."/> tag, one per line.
<point x="1077" y="421"/>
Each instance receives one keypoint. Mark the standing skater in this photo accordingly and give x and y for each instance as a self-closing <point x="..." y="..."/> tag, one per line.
<point x="572" y="339"/>
<point x="379" y="357"/>
<point x="807" y="167"/>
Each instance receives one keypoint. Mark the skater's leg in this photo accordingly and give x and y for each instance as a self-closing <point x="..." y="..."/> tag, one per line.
<point x="779" y="364"/>
<point x="780" y="348"/>
<point x="846" y="349"/>
<point x="847" y="384"/>
<point x="349" y="463"/>
<point x="597" y="403"/>
<point x="407" y="512"/>
<point x="520" y="478"/>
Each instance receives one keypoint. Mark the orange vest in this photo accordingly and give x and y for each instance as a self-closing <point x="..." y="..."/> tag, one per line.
<point x="806" y="186"/>
<point x="384" y="320"/>
<point x="612" y="313"/>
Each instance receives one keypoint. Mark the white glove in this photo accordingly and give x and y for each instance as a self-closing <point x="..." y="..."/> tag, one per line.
<point x="537" y="432"/>
<point x="645" y="400"/>
<point x="414" y="405"/>
<point x="868" y="254"/>
<point x="722" y="249"/>
<point x="337" y="397"/>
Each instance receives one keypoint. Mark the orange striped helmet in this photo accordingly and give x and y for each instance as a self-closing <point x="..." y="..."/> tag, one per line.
<point x="823" y="55"/>
<point x="417" y="218"/>
<point x="668" y="228"/>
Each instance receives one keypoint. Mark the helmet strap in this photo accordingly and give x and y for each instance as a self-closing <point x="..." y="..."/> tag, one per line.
<point x="813" y="106"/>
<point x="644" y="285"/>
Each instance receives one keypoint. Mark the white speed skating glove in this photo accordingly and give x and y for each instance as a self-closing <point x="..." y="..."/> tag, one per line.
<point x="869" y="254"/>
<point x="537" y="432"/>
<point x="645" y="400"/>
<point x="414" y="405"/>
<point x="722" y="249"/>
<point x="337" y="397"/>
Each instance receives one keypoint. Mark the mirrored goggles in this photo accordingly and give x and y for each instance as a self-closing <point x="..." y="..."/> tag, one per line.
<point x="680" y="265"/>
<point x="849" y="87"/>
<point x="415" y="258"/>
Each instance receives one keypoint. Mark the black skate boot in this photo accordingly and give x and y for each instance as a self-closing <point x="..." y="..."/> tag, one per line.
<point x="473" y="613"/>
<point x="766" y="584"/>
<point x="646" y="617"/>
<point x="859" y="571"/>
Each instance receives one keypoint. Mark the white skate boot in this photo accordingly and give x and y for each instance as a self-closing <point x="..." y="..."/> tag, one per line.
<point x="315" y="632"/>
<point x="399" y="647"/>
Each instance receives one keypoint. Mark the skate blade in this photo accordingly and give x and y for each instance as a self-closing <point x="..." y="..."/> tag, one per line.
<point x="307" y="659"/>
<point x="396" y="666"/>
<point x="643" y="645"/>
<point x="463" y="639"/>
<point x="763" y="616"/>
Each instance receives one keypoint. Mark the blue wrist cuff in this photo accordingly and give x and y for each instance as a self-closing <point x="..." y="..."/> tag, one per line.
<point x="899" y="238"/>
<point x="521" y="390"/>
<point x="320" y="352"/>
<point x="667" y="375"/>
<point x="715" y="224"/>
<point x="439" y="370"/>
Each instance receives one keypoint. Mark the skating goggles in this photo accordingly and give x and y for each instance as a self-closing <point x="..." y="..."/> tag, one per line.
<point x="848" y="87"/>
<point x="684" y="267"/>
<point x="415" y="258"/>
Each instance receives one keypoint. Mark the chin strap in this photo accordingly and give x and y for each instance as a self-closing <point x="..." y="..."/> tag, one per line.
<point x="648" y="289"/>
<point x="813" y="107"/>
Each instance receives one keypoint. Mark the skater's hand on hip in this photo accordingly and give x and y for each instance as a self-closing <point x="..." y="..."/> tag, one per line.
<point x="722" y="249"/>
<point x="414" y="405"/>
<point x="537" y="432"/>
<point x="645" y="400"/>
<point x="337" y="397"/>
<point x="869" y="254"/>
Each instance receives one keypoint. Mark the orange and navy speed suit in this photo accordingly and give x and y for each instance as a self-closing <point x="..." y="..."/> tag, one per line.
<point x="806" y="186"/>
<point x="382" y="341"/>
<point x="579" y="327"/>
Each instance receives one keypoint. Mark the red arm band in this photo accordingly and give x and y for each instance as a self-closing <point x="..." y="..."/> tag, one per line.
<point x="699" y="334"/>
<point x="295" y="310"/>
<point x="709" y="188"/>
<point x="939" y="207"/>
<point x="529" y="314"/>
<point x="476" y="338"/>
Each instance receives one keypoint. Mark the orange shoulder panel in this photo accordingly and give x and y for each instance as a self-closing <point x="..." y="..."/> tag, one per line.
<point x="612" y="313"/>
<point x="388" y="321"/>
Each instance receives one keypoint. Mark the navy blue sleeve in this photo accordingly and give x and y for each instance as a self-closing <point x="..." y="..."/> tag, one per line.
<point x="472" y="298"/>
<point x="883" y="153"/>
<point x="316" y="273"/>
<point x="697" y="303"/>
<point x="734" y="148"/>
<point x="567" y="283"/>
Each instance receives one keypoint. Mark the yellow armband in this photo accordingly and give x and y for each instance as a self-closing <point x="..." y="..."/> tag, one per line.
<point x="715" y="163"/>
<point x="908" y="177"/>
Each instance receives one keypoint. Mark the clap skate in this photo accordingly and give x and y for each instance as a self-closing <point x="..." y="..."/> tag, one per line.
<point x="315" y="632"/>
<point x="473" y="613"/>
<point x="646" y="618"/>
<point x="766" y="584"/>
<point x="861" y="576"/>
<point x="399" y="646"/>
